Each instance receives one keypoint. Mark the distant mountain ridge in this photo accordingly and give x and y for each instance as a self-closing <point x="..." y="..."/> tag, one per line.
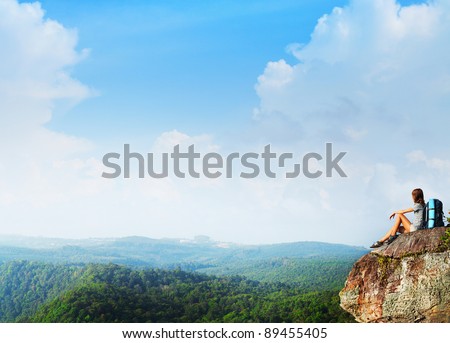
<point x="144" y="251"/>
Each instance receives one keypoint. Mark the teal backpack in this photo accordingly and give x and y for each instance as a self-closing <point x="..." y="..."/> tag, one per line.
<point x="433" y="214"/>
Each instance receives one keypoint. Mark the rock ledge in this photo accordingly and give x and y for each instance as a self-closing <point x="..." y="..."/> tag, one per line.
<point x="406" y="281"/>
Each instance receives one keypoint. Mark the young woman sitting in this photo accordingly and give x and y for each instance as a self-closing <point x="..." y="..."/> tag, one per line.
<point x="402" y="224"/>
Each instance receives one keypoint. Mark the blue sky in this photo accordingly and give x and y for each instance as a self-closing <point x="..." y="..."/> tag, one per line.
<point x="79" y="79"/>
<point x="190" y="65"/>
<point x="186" y="64"/>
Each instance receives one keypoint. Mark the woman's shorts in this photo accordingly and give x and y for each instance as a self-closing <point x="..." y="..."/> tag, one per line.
<point x="412" y="228"/>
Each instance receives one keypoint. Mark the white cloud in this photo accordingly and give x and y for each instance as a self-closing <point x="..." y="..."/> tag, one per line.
<point x="276" y="75"/>
<point x="36" y="54"/>
<point x="375" y="80"/>
<point x="35" y="62"/>
<point x="370" y="66"/>
<point x="436" y="164"/>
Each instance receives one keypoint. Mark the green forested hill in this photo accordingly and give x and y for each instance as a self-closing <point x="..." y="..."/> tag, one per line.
<point x="40" y="292"/>
<point x="309" y="274"/>
<point x="24" y="286"/>
<point x="197" y="281"/>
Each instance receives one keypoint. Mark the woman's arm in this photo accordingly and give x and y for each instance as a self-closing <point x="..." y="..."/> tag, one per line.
<point x="408" y="210"/>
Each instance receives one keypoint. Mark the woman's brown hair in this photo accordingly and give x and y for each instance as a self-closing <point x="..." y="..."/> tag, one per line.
<point x="417" y="195"/>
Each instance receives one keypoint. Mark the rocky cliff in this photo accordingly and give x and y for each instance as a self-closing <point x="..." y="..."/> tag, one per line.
<point x="406" y="281"/>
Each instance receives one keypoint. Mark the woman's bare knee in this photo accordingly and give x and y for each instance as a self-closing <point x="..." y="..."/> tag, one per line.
<point x="405" y="222"/>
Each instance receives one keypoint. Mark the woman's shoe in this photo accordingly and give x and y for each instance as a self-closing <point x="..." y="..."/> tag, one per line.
<point x="391" y="239"/>
<point x="377" y="244"/>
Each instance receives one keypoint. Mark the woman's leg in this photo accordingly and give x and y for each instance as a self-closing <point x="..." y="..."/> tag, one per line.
<point x="401" y="224"/>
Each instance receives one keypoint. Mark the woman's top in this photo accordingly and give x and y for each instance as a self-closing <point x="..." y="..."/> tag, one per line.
<point x="418" y="221"/>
